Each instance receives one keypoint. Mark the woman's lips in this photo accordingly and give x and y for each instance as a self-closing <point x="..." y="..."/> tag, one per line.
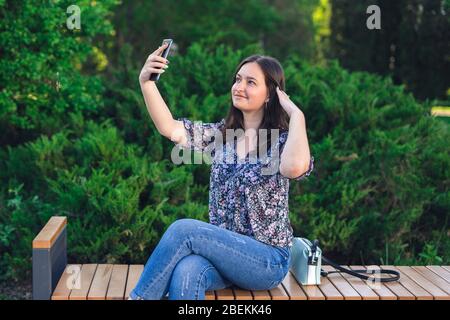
<point x="240" y="97"/>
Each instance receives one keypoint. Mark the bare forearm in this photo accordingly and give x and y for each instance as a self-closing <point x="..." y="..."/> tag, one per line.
<point x="296" y="155"/>
<point x="157" y="108"/>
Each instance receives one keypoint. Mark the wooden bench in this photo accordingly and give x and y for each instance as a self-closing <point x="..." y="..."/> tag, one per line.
<point x="52" y="277"/>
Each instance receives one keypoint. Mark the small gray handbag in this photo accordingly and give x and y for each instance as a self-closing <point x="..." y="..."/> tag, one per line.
<point x="306" y="263"/>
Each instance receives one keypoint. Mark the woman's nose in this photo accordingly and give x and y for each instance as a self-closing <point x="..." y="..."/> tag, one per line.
<point x="240" y="88"/>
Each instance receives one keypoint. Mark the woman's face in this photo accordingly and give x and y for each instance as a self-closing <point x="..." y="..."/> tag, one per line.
<point x="249" y="91"/>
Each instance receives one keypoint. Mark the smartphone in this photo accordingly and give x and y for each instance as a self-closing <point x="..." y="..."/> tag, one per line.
<point x="165" y="53"/>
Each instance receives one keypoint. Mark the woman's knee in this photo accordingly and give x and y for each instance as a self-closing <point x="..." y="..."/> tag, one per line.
<point x="183" y="227"/>
<point x="191" y="264"/>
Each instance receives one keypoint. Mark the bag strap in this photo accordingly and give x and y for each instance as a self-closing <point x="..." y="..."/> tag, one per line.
<point x="357" y="273"/>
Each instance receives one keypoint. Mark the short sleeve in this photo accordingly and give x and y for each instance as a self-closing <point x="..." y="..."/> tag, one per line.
<point x="307" y="173"/>
<point x="200" y="135"/>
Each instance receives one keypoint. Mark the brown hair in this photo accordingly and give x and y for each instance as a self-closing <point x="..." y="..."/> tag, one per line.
<point x="274" y="115"/>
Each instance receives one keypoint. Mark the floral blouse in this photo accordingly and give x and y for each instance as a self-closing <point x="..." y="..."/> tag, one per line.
<point x="241" y="198"/>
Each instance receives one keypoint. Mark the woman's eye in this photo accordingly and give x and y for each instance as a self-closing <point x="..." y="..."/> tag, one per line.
<point x="237" y="80"/>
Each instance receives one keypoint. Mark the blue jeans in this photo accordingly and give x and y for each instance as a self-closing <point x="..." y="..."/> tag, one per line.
<point x="194" y="256"/>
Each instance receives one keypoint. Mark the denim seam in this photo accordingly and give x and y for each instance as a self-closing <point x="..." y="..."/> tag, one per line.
<point x="164" y="272"/>
<point x="200" y="280"/>
<point x="255" y="260"/>
<point x="238" y="252"/>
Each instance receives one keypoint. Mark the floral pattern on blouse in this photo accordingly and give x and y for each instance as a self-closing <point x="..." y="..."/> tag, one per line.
<point x="242" y="197"/>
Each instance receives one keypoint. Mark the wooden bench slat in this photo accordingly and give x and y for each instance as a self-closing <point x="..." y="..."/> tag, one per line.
<point x="261" y="295"/>
<point x="396" y="287"/>
<point x="293" y="288"/>
<point x="86" y="276"/>
<point x="210" y="295"/>
<point x="241" y="294"/>
<point x="118" y="282"/>
<point x="382" y="291"/>
<point x="437" y="293"/>
<point x="134" y="273"/>
<point x="100" y="283"/>
<point x="329" y="290"/>
<point x="47" y="236"/>
<point x="411" y="285"/>
<point x="442" y="272"/>
<point x="279" y="293"/>
<point x="342" y="285"/>
<point x="63" y="288"/>
<point x="361" y="286"/>
<point x="313" y="292"/>
<point x="225" y="294"/>
<point x="434" y="278"/>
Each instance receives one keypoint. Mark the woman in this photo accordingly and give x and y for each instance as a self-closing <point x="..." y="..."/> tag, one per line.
<point x="247" y="242"/>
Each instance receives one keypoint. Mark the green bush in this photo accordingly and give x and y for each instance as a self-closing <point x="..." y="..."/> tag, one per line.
<point x="117" y="201"/>
<point x="380" y="191"/>
<point x="43" y="74"/>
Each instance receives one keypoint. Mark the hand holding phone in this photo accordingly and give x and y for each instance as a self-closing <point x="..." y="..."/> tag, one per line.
<point x="156" y="63"/>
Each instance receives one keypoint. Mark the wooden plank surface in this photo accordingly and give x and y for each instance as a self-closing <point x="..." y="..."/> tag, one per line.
<point x="66" y="282"/>
<point x="225" y="294"/>
<point x="47" y="236"/>
<point x="134" y="273"/>
<point x="241" y="294"/>
<point x="313" y="292"/>
<point x="107" y="281"/>
<point x="279" y="293"/>
<point x="363" y="287"/>
<point x="434" y="278"/>
<point x="329" y="290"/>
<point x="342" y="285"/>
<point x="382" y="290"/>
<point x="210" y="295"/>
<point x="440" y="271"/>
<point x="418" y="292"/>
<point x="293" y="288"/>
<point x="86" y="276"/>
<point x="118" y="282"/>
<point x="99" y="286"/>
<point x="261" y="295"/>
<point x="434" y="290"/>
<point x="396" y="287"/>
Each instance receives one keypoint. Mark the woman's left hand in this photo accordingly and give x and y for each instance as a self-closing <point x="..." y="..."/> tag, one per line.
<point x="286" y="103"/>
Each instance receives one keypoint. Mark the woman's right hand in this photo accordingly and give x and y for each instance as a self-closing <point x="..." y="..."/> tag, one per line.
<point x="154" y="64"/>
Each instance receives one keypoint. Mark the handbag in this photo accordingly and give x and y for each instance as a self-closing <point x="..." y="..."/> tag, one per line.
<point x="306" y="264"/>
